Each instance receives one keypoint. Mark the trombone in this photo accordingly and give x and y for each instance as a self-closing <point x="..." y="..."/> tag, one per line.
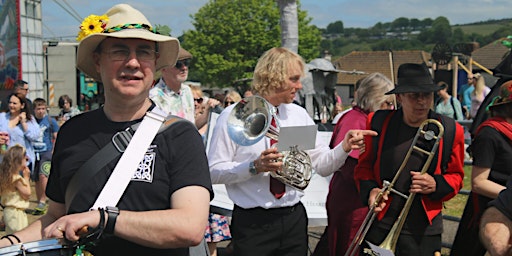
<point x="389" y="243"/>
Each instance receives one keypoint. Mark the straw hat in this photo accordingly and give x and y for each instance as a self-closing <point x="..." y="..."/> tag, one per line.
<point x="414" y="78"/>
<point x="125" y="22"/>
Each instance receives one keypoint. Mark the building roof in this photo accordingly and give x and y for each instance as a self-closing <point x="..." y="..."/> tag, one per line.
<point x="357" y="65"/>
<point x="489" y="55"/>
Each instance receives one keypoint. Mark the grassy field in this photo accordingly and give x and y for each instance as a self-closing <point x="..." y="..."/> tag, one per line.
<point x="480" y="29"/>
<point x="455" y="206"/>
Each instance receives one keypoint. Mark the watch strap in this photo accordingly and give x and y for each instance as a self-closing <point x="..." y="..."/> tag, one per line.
<point x="252" y="168"/>
<point x="112" y="213"/>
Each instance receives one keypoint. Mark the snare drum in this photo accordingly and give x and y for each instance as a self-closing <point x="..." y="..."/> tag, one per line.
<point x="47" y="247"/>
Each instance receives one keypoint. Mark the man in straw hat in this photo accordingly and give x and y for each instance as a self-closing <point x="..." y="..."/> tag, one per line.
<point x="164" y="208"/>
<point x="268" y="217"/>
<point x="421" y="234"/>
<point x="492" y="152"/>
<point x="170" y="93"/>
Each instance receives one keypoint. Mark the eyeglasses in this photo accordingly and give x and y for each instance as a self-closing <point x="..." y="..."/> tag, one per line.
<point x="124" y="54"/>
<point x="227" y="103"/>
<point x="417" y="95"/>
<point x="181" y="63"/>
<point x="198" y="100"/>
<point x="25" y="89"/>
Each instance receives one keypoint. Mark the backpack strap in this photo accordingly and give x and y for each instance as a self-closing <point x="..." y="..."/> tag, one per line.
<point x="448" y="138"/>
<point x="377" y="123"/>
<point x="454" y="111"/>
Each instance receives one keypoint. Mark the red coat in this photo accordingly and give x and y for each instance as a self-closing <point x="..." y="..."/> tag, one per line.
<point x="448" y="182"/>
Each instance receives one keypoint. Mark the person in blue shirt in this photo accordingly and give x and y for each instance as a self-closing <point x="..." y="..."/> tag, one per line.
<point x="466" y="94"/>
<point x="447" y="104"/>
<point x="43" y="149"/>
<point x="21" y="126"/>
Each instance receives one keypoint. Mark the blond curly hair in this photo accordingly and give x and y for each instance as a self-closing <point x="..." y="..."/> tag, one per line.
<point x="271" y="71"/>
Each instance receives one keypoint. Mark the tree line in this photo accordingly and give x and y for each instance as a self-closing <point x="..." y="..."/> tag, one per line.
<point x="406" y="34"/>
<point x="230" y="35"/>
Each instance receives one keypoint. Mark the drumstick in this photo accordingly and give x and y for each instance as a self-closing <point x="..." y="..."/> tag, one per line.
<point x="83" y="231"/>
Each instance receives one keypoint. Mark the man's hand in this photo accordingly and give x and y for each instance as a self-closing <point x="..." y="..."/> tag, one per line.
<point x="354" y="139"/>
<point x="422" y="183"/>
<point x="374" y="196"/>
<point x="269" y="160"/>
<point x="72" y="226"/>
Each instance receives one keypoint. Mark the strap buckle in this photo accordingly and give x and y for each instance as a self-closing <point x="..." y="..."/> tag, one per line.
<point x="122" y="139"/>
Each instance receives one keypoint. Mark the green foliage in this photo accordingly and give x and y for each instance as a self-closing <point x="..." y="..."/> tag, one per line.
<point x="230" y="36"/>
<point x="163" y="29"/>
<point x="335" y="28"/>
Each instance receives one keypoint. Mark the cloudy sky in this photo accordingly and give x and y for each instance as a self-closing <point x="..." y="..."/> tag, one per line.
<point x="59" y="23"/>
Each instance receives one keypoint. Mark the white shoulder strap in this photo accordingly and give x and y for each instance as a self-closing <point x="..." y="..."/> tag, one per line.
<point x="127" y="165"/>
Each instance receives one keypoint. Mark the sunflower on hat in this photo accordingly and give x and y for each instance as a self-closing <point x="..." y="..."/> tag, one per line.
<point x="91" y="25"/>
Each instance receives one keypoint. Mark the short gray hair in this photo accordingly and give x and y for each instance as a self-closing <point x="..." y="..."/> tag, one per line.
<point x="371" y="91"/>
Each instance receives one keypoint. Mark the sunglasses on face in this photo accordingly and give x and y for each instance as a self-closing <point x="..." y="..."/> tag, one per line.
<point x="227" y="103"/>
<point x="181" y="63"/>
<point x="198" y="100"/>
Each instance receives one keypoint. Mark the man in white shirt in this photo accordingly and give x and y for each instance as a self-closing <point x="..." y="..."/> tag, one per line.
<point x="170" y="93"/>
<point x="263" y="223"/>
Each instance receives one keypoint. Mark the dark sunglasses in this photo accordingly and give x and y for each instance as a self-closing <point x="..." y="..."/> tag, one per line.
<point x="229" y="103"/>
<point x="198" y="100"/>
<point x="181" y="63"/>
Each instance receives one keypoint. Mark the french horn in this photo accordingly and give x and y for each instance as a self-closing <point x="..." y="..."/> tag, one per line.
<point x="251" y="120"/>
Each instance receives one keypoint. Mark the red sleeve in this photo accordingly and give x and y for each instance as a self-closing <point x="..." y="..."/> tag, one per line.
<point x="453" y="176"/>
<point x="449" y="182"/>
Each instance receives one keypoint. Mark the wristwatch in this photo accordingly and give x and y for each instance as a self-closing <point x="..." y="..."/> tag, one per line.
<point x="252" y="168"/>
<point x="112" y="213"/>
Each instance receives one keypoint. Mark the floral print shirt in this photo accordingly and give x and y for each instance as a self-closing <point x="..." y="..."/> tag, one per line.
<point x="177" y="103"/>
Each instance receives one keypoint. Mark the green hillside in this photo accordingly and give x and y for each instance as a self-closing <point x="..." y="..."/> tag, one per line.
<point x="485" y="28"/>
<point x="408" y="37"/>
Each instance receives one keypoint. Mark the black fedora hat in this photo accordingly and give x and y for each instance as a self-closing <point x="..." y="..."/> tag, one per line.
<point x="414" y="77"/>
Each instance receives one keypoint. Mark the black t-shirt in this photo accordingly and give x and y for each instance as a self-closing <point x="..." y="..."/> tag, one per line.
<point x="491" y="149"/>
<point x="175" y="159"/>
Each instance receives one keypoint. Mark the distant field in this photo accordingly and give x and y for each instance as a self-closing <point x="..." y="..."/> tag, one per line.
<point x="482" y="29"/>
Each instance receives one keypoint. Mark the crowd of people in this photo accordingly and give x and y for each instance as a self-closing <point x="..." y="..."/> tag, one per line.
<point x="162" y="207"/>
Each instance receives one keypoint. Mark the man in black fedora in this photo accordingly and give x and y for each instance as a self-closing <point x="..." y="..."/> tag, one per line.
<point x="385" y="154"/>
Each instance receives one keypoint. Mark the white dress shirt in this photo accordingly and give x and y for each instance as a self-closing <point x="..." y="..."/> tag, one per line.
<point x="229" y="162"/>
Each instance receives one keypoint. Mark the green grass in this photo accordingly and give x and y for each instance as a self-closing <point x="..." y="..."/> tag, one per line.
<point x="480" y="29"/>
<point x="455" y="206"/>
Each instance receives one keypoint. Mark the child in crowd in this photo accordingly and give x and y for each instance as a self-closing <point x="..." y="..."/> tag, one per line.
<point x="43" y="148"/>
<point x="15" y="188"/>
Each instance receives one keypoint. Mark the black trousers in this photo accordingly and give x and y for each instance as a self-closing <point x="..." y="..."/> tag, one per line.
<point x="407" y="245"/>
<point x="270" y="232"/>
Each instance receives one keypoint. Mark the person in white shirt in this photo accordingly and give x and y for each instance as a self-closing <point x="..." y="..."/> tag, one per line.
<point x="263" y="224"/>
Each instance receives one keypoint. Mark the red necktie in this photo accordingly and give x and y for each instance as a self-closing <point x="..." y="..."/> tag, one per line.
<point x="277" y="188"/>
